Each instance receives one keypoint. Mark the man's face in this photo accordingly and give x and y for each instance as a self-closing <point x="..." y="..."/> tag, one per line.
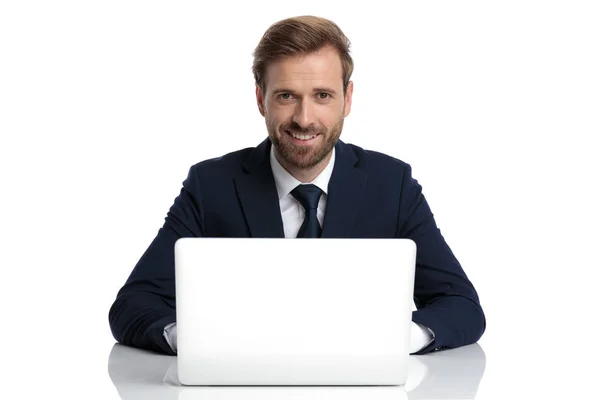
<point x="304" y="107"/>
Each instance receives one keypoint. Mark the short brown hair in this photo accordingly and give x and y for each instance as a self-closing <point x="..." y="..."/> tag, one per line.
<point x="299" y="36"/>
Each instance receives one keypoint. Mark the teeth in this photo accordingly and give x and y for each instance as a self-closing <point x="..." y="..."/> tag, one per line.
<point x="302" y="137"/>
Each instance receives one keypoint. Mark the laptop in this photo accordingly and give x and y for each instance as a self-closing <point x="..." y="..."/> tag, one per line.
<point x="253" y="311"/>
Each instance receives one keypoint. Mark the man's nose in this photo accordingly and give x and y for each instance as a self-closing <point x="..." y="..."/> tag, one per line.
<point x="304" y="115"/>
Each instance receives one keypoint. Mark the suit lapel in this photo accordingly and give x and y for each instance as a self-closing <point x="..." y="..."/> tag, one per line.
<point x="258" y="194"/>
<point x="344" y="194"/>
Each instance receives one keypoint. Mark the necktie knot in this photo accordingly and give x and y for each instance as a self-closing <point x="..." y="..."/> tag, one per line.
<point x="307" y="195"/>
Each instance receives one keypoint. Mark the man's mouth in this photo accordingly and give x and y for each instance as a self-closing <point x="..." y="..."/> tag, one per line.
<point x="299" y="136"/>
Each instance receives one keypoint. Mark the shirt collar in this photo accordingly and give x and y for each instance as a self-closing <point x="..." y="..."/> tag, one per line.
<point x="285" y="182"/>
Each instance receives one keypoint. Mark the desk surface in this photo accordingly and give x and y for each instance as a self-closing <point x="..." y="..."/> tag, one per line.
<point x="452" y="374"/>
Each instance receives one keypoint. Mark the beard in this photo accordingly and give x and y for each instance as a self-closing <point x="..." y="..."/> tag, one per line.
<point x="304" y="157"/>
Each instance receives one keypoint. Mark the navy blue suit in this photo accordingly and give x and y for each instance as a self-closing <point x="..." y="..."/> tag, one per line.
<point x="370" y="195"/>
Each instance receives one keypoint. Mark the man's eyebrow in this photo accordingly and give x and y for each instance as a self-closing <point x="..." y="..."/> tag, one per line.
<point x="324" y="89"/>
<point x="315" y="90"/>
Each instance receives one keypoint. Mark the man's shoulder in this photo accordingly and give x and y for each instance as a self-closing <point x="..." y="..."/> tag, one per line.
<point x="373" y="159"/>
<point x="228" y="162"/>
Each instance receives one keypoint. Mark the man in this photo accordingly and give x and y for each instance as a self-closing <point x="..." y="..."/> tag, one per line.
<point x="302" y="181"/>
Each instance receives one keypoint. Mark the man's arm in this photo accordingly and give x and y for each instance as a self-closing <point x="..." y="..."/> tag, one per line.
<point x="146" y="303"/>
<point x="446" y="301"/>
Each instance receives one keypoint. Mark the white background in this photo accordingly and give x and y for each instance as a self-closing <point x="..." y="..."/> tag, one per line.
<point x="105" y="105"/>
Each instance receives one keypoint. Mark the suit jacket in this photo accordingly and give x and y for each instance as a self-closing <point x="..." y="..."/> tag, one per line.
<point x="370" y="195"/>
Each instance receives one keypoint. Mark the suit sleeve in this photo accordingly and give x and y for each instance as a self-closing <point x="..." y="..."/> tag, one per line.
<point x="146" y="303"/>
<point x="446" y="300"/>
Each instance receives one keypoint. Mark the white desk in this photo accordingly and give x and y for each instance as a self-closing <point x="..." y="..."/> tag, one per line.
<point x="451" y="374"/>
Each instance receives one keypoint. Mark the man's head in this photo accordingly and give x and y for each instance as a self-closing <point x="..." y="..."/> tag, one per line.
<point x="302" y="69"/>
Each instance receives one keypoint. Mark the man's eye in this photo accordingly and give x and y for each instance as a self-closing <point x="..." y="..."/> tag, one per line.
<point x="284" y="96"/>
<point x="323" y="95"/>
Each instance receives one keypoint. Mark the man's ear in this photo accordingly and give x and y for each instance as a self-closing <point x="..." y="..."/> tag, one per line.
<point x="260" y="100"/>
<point x="348" y="98"/>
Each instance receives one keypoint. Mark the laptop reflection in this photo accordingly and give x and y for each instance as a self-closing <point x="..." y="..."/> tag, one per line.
<point x="450" y="374"/>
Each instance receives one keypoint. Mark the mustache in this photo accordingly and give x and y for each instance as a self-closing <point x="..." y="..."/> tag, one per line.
<point x="311" y="130"/>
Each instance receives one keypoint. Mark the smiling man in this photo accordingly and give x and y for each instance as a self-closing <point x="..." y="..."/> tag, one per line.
<point x="302" y="181"/>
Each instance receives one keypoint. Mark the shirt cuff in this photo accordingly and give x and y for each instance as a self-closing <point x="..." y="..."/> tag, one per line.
<point x="170" y="335"/>
<point x="420" y="337"/>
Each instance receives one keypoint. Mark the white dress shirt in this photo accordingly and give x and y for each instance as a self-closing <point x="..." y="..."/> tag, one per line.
<point x="292" y="215"/>
<point x="292" y="212"/>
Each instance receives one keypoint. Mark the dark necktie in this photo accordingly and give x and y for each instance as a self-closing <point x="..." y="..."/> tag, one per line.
<point x="308" y="196"/>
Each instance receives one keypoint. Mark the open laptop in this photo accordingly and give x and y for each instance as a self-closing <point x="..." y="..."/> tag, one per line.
<point x="256" y="311"/>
